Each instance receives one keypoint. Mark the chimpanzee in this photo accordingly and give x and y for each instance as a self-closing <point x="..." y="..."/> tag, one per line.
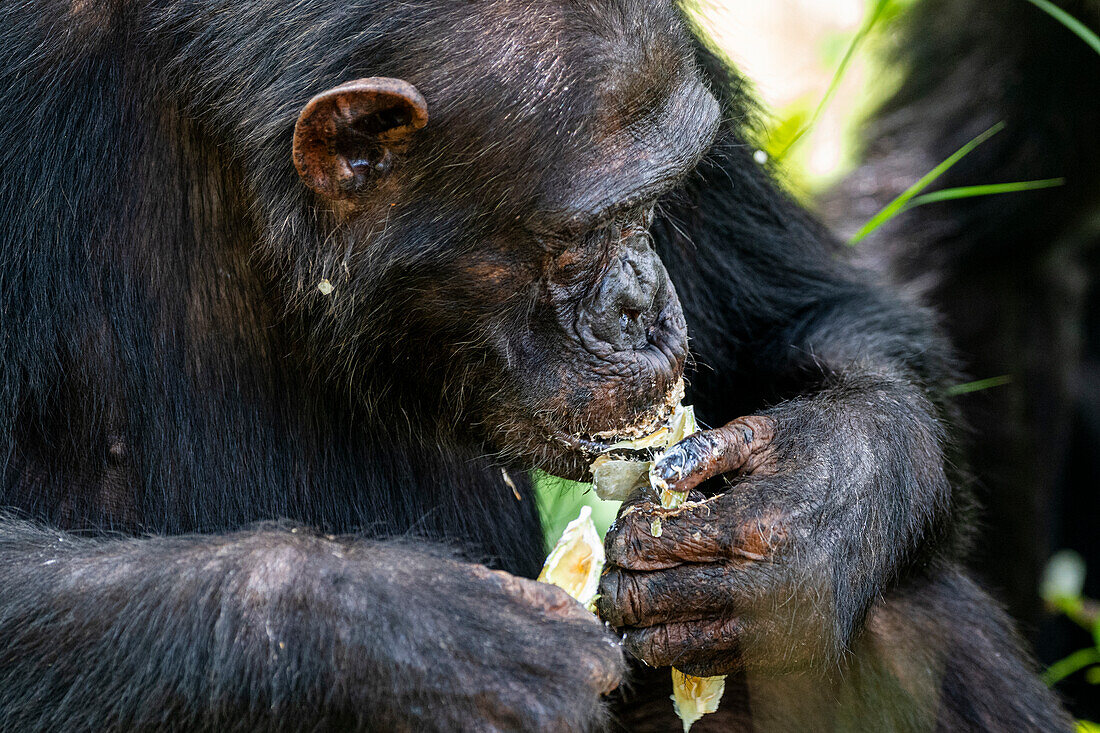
<point x="1016" y="277"/>
<point x="288" y="283"/>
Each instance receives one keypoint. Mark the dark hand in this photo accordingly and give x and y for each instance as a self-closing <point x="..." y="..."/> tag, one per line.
<point x="723" y="583"/>
<point x="499" y="652"/>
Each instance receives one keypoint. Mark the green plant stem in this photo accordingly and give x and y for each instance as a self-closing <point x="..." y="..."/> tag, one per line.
<point x="990" y="189"/>
<point x="976" y="386"/>
<point x="1082" y="611"/>
<point x="895" y="207"/>
<point x="1069" y="21"/>
<point x="857" y="41"/>
<point x="1074" y="662"/>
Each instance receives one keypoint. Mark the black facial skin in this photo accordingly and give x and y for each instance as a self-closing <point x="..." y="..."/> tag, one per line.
<point x="581" y="330"/>
<point x="253" y="424"/>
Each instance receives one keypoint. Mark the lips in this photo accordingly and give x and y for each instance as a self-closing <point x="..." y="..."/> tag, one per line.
<point x="649" y="421"/>
<point x="603" y="442"/>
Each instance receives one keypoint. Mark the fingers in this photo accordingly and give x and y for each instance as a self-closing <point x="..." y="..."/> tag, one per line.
<point x="598" y="661"/>
<point x="720" y="529"/>
<point x="546" y="598"/>
<point x="700" y="648"/>
<point x="648" y="537"/>
<point x="685" y="593"/>
<point x="742" y="446"/>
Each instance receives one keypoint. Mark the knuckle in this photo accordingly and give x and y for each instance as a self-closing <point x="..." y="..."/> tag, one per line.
<point x="758" y="434"/>
<point x="759" y="427"/>
<point x="619" y="593"/>
<point x="628" y="542"/>
<point x="630" y="599"/>
<point x="652" y="645"/>
<point x="614" y="543"/>
<point x="603" y="669"/>
<point x="764" y="535"/>
<point x="636" y="644"/>
<point x="607" y="604"/>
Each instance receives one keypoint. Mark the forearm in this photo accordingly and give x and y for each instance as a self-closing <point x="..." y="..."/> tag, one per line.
<point x="874" y="445"/>
<point x="862" y="421"/>
<point x="199" y="631"/>
<point x="276" y="628"/>
<point x="867" y="408"/>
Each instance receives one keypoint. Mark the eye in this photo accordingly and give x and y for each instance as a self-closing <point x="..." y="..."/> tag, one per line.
<point x="636" y="222"/>
<point x="614" y="230"/>
<point x="555" y="246"/>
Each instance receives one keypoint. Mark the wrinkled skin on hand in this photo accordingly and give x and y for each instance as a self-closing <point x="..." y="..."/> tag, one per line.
<point x="517" y="654"/>
<point x="715" y="589"/>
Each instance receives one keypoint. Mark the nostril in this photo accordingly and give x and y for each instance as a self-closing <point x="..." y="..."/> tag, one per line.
<point x="631" y="328"/>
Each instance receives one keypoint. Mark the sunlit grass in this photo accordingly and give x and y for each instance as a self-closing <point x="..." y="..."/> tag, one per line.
<point x="842" y="68"/>
<point x="896" y="206"/>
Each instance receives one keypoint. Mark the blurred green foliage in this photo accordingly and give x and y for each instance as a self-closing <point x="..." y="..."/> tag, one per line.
<point x="560" y="501"/>
<point x="1061" y="586"/>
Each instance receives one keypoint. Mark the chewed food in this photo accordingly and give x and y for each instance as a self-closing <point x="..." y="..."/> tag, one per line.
<point x="614" y="477"/>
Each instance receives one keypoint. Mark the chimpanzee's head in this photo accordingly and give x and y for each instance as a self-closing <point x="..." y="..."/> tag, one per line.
<point x="488" y="201"/>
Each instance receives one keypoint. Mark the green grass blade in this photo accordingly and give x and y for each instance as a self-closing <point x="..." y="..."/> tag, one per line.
<point x="895" y="207"/>
<point x="991" y="189"/>
<point x="979" y="385"/>
<point x="1065" y="667"/>
<point x="841" y="69"/>
<point x="1069" y="21"/>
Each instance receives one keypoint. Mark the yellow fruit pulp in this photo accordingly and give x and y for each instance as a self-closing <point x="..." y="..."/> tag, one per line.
<point x="575" y="563"/>
<point x="694" y="697"/>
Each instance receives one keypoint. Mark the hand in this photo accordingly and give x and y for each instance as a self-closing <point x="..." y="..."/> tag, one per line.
<point x="729" y="582"/>
<point x="494" y="652"/>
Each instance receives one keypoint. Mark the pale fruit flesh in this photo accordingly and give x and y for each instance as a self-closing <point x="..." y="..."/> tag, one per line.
<point x="575" y="563"/>
<point x="692" y="697"/>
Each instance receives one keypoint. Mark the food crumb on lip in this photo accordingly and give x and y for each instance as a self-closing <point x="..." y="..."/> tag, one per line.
<point x="656" y="420"/>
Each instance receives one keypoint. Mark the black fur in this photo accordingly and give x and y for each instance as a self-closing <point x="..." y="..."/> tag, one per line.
<point x="1014" y="276"/>
<point x="169" y="376"/>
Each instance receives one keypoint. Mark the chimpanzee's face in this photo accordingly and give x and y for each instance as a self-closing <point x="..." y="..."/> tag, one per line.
<point x="516" y="209"/>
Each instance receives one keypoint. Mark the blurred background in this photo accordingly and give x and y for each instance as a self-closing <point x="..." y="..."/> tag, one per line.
<point x="864" y="103"/>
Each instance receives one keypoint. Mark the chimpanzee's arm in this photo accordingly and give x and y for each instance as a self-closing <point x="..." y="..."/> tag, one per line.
<point x="282" y="630"/>
<point x="850" y="488"/>
<point x="836" y="547"/>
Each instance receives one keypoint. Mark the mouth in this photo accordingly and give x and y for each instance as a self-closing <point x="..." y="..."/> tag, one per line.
<point x="650" y="423"/>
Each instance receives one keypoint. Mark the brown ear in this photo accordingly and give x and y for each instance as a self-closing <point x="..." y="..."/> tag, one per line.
<point x="345" y="135"/>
